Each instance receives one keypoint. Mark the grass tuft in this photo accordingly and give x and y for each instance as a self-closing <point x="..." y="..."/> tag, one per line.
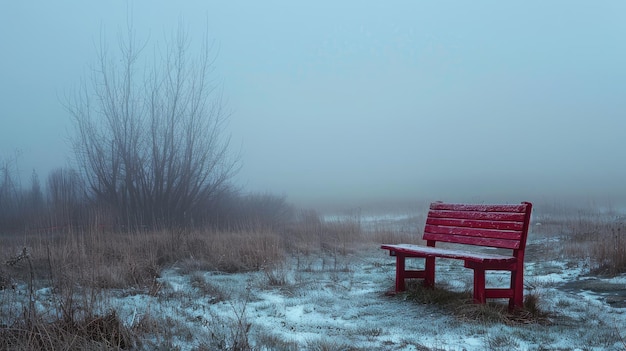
<point x="105" y="332"/>
<point x="460" y="304"/>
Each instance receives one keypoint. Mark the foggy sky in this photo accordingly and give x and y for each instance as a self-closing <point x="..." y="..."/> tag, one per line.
<point x="448" y="100"/>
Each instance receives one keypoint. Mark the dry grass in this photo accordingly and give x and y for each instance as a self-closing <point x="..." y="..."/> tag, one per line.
<point x="91" y="333"/>
<point x="122" y="260"/>
<point x="69" y="320"/>
<point x="79" y="266"/>
<point x="460" y="305"/>
<point x="312" y="234"/>
<point x="599" y="238"/>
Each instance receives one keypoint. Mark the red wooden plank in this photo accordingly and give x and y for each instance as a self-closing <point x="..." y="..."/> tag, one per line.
<point x="473" y="232"/>
<point x="521" y="208"/>
<point x="414" y="274"/>
<point x="459" y="222"/>
<point x="492" y="265"/>
<point x="472" y="240"/>
<point x="491" y="216"/>
<point x="499" y="293"/>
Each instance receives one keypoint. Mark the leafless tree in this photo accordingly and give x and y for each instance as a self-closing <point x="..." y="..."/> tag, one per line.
<point x="20" y="209"/>
<point x="150" y="135"/>
<point x="65" y="191"/>
<point x="9" y="194"/>
<point x="34" y="203"/>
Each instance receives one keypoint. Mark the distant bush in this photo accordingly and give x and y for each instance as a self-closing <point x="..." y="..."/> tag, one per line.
<point x="235" y="211"/>
<point x="20" y="208"/>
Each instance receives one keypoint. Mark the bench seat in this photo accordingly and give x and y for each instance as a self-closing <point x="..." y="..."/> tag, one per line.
<point x="410" y="250"/>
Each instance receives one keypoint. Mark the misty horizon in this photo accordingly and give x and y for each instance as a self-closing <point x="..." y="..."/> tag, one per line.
<point x="359" y="101"/>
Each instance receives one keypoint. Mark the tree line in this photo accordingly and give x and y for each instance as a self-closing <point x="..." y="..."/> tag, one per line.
<point x="61" y="203"/>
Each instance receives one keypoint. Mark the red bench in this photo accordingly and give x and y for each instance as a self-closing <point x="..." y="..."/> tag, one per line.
<point x="495" y="226"/>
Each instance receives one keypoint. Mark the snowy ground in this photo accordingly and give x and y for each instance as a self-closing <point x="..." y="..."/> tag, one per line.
<point x="337" y="302"/>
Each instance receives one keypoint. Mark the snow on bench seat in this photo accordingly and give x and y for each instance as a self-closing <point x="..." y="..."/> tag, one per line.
<point x="427" y="251"/>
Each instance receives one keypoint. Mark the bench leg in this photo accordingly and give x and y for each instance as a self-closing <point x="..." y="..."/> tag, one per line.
<point x="429" y="271"/>
<point x="400" y="269"/>
<point x="517" y="285"/>
<point x="479" y="286"/>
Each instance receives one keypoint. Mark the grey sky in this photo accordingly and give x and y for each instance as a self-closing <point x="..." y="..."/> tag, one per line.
<point x="345" y="99"/>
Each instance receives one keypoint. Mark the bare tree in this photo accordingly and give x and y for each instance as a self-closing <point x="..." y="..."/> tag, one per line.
<point x="65" y="198"/>
<point x="10" y="198"/>
<point x="34" y="205"/>
<point x="149" y="137"/>
<point x="20" y="208"/>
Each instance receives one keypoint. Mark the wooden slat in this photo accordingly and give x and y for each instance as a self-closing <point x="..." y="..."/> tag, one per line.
<point x="498" y="293"/>
<point x="472" y="232"/>
<point x="457" y="222"/>
<point x="472" y="240"/>
<point x="521" y="208"/>
<point x="491" y="216"/>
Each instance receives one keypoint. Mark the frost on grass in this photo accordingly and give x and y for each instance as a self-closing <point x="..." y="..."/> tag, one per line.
<point x="326" y="302"/>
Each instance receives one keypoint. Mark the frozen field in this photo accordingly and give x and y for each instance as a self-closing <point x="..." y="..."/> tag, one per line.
<point x="337" y="301"/>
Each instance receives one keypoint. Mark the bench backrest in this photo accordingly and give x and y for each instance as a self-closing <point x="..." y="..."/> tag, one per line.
<point x="499" y="226"/>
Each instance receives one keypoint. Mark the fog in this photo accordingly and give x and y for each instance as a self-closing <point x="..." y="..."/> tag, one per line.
<point x="360" y="100"/>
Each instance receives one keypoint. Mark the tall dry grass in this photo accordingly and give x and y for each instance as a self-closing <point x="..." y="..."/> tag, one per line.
<point x="122" y="260"/>
<point x="591" y="235"/>
<point x="310" y="233"/>
<point x="79" y="266"/>
<point x="602" y="240"/>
